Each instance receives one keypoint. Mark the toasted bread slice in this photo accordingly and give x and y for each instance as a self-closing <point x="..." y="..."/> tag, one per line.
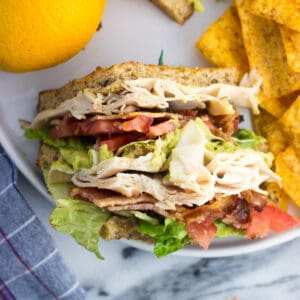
<point x="110" y="80"/>
<point x="46" y="156"/>
<point x="179" y="10"/>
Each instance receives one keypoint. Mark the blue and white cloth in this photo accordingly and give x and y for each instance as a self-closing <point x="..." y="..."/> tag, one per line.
<point x="30" y="264"/>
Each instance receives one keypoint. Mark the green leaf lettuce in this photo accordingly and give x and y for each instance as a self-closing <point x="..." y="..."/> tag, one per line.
<point x="82" y="220"/>
<point x="224" y="230"/>
<point x="169" y="236"/>
<point x="198" y="5"/>
<point x="248" y="139"/>
<point x="45" y="136"/>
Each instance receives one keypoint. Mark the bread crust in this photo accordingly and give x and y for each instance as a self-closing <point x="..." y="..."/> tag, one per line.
<point x="109" y="80"/>
<point x="178" y="10"/>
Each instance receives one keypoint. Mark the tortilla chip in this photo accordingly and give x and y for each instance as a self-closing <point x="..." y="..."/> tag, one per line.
<point x="270" y="128"/>
<point x="222" y="43"/>
<point x="278" y="195"/>
<point x="277" y="106"/>
<point x="290" y="121"/>
<point x="288" y="100"/>
<point x="272" y="106"/>
<point x="286" y="12"/>
<point x="288" y="168"/>
<point x="266" y="53"/>
<point x="291" y="42"/>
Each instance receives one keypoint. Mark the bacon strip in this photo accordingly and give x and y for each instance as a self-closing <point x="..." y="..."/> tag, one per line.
<point x="104" y="198"/>
<point x="115" y="202"/>
<point x="233" y="210"/>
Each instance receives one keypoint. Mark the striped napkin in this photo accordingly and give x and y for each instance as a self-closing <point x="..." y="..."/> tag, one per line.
<point x="30" y="264"/>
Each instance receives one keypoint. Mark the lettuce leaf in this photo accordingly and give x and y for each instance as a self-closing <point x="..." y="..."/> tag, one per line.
<point x="224" y="230"/>
<point x="169" y="237"/>
<point x="45" y="136"/>
<point x="104" y="153"/>
<point x="144" y="216"/>
<point x="78" y="159"/>
<point x="248" y="139"/>
<point x="209" y="136"/>
<point x="136" y="149"/>
<point x="198" y="5"/>
<point x="82" y="220"/>
<point x="161" y="58"/>
<point x="57" y="190"/>
<point x="161" y="149"/>
<point x="221" y="146"/>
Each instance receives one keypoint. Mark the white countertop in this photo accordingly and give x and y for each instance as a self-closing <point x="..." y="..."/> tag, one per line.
<point x="128" y="273"/>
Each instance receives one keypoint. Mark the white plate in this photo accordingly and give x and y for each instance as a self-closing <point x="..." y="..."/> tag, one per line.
<point x="133" y="30"/>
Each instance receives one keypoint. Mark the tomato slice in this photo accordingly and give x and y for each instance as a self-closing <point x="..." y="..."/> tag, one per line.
<point x="259" y="226"/>
<point x="203" y="232"/>
<point x="280" y="220"/>
<point x="98" y="127"/>
<point x="271" y="218"/>
<point x="118" y="141"/>
<point x="140" y="123"/>
<point x="161" y="128"/>
<point x="85" y="128"/>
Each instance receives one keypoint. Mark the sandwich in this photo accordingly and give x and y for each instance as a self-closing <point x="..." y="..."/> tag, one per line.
<point x="155" y="153"/>
<point x="179" y="10"/>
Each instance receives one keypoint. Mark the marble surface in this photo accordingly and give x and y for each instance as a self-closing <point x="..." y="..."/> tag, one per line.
<point x="129" y="273"/>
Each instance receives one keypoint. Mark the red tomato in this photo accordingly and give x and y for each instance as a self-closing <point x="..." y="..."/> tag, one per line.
<point x="280" y="220"/>
<point x="260" y="225"/>
<point x="161" y="128"/>
<point x="139" y="124"/>
<point x="236" y="123"/>
<point x="271" y="218"/>
<point x="85" y="128"/>
<point x="118" y="141"/>
<point x="203" y="232"/>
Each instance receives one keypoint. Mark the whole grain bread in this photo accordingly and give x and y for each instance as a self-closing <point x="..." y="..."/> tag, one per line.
<point x="109" y="80"/>
<point x="46" y="156"/>
<point x="179" y="10"/>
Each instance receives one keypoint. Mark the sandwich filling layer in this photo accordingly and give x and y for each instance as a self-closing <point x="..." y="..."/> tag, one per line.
<point x="159" y="153"/>
<point x="160" y="94"/>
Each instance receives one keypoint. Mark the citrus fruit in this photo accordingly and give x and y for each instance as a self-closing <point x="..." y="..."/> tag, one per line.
<point x="39" y="34"/>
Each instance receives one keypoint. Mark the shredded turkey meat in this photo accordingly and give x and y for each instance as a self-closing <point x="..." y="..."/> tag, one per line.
<point x="135" y="185"/>
<point x="155" y="93"/>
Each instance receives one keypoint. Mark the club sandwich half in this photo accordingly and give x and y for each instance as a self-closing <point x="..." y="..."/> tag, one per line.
<point x="154" y="153"/>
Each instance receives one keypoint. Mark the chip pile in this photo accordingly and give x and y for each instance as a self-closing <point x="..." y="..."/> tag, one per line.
<point x="265" y="35"/>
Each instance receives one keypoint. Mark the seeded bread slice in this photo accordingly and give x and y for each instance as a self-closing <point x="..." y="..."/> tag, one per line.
<point x="110" y="80"/>
<point x="179" y="10"/>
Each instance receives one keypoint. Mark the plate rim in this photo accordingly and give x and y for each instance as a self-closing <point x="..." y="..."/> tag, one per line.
<point x="35" y="179"/>
<point x="20" y="165"/>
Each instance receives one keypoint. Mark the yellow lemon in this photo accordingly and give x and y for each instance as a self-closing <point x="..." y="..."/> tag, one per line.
<point x="36" y="34"/>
